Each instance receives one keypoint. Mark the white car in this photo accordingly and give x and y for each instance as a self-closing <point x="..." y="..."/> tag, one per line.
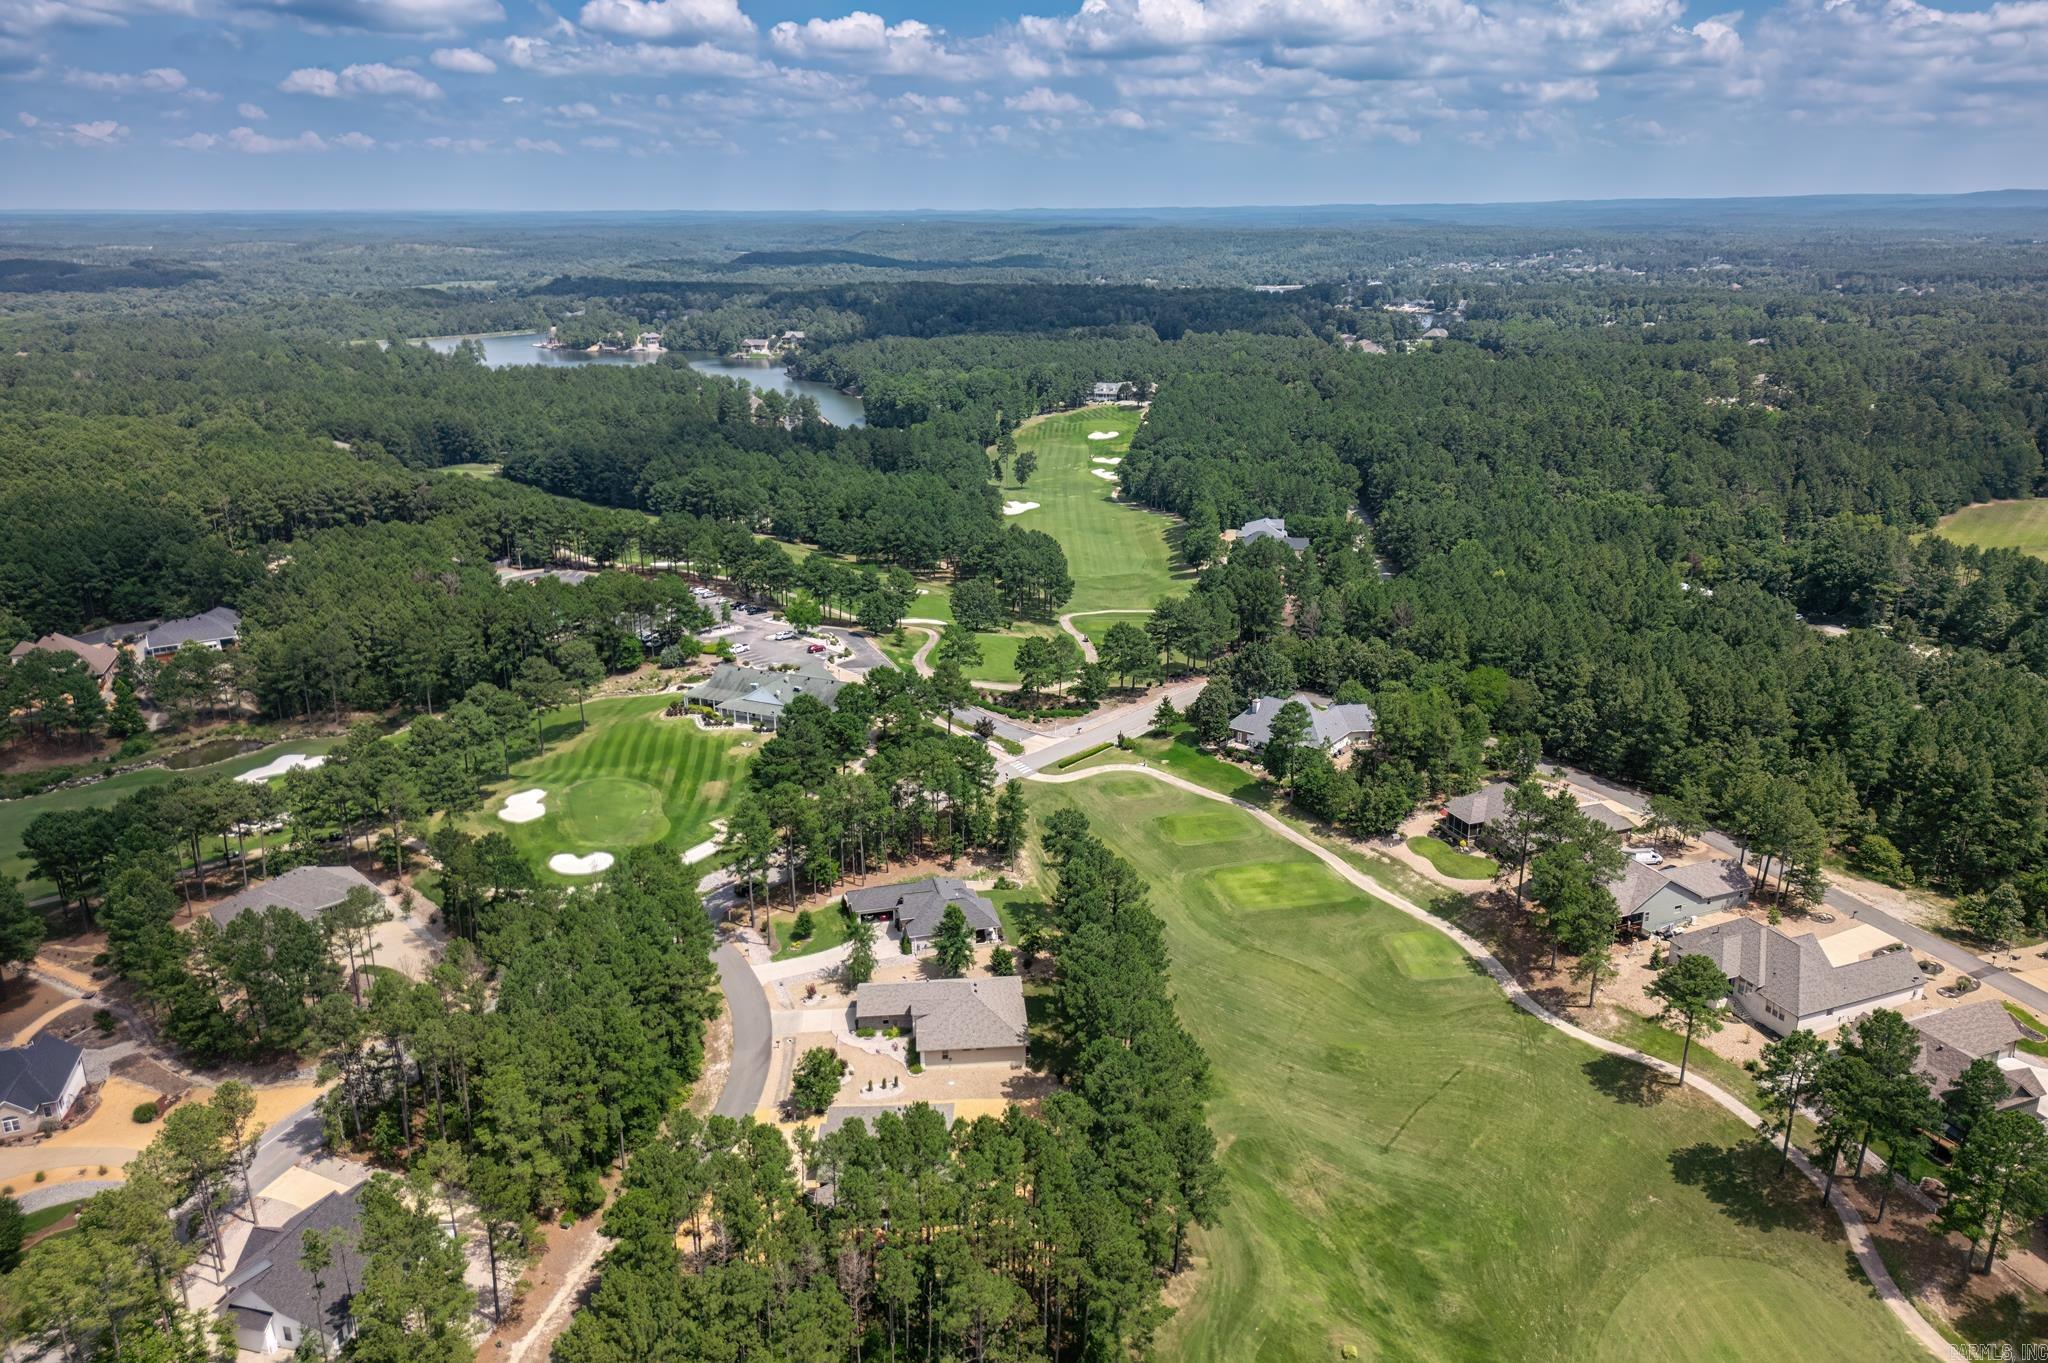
<point x="784" y="636"/>
<point x="742" y="648"/>
<point x="1648" y="856"/>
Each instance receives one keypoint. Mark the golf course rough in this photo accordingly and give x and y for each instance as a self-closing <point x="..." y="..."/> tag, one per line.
<point x="1420" y="1170"/>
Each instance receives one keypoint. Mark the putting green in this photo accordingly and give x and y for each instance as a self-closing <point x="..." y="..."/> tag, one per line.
<point x="1426" y="955"/>
<point x="613" y="809"/>
<point x="1273" y="884"/>
<point x="1202" y="827"/>
<point x="1717" y="1310"/>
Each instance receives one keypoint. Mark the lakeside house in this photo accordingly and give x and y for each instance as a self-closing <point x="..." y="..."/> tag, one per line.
<point x="1270" y="528"/>
<point x="271" y="1298"/>
<point x="307" y="891"/>
<point x="1658" y="899"/>
<point x="1785" y="984"/>
<point x="952" y="1022"/>
<point x="747" y="695"/>
<point x="757" y="345"/>
<point x="1335" y="729"/>
<point x="39" y="1082"/>
<point x="919" y="906"/>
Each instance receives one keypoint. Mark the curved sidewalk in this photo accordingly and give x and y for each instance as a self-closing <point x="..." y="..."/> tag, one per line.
<point x="1853" y="1225"/>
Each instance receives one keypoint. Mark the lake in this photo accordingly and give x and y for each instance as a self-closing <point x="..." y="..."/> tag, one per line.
<point x="524" y="348"/>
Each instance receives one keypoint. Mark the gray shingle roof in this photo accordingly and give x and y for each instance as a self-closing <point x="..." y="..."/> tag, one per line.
<point x="1329" y="724"/>
<point x="760" y="694"/>
<point x="306" y="891"/>
<point x="1482" y="806"/>
<point x="217" y="626"/>
<point x="1953" y="1037"/>
<point x="951" y="1015"/>
<point x="1712" y="879"/>
<point x="269" y="1281"/>
<point x="1270" y="528"/>
<point x="1607" y="816"/>
<point x="1634" y="887"/>
<point x="36" y="1074"/>
<point x="1793" y="972"/>
<point x="920" y="905"/>
<point x="840" y="1115"/>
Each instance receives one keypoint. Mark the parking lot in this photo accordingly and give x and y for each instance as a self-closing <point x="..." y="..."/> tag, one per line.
<point x="754" y="629"/>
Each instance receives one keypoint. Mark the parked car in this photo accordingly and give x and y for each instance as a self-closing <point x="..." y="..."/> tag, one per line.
<point x="738" y="649"/>
<point x="783" y="635"/>
<point x="815" y="648"/>
<point x="1648" y="856"/>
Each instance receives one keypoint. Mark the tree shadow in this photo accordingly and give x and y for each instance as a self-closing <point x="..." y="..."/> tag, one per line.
<point x="1744" y="1182"/>
<point x="1625" y="1081"/>
<point x="2005" y="1319"/>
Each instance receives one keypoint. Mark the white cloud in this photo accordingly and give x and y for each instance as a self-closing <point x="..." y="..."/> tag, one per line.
<point x="28" y="120"/>
<point x="598" y="58"/>
<point x="257" y="144"/>
<point x="464" y="60"/>
<point x="196" y="141"/>
<point x="599" y="143"/>
<point x="460" y="145"/>
<point x="951" y="106"/>
<point x="667" y="20"/>
<point x="1125" y="118"/>
<point x="159" y="80"/>
<point x="385" y="16"/>
<point x="103" y="132"/>
<point x="868" y="42"/>
<point x="1576" y="90"/>
<point x="545" y="144"/>
<point x="1041" y="99"/>
<point x="370" y="78"/>
<point x="355" y="141"/>
<point x="253" y="112"/>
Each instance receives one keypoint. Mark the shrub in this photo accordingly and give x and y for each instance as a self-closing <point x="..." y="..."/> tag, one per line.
<point x="903" y="945"/>
<point x="804" y="927"/>
<point x="40" y="1176"/>
<point x="145" y="1113"/>
<point x="1878" y="857"/>
<point x="865" y="1033"/>
<point x="1001" y="962"/>
<point x="105" y="1020"/>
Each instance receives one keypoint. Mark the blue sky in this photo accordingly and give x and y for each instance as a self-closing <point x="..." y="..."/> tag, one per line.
<point x="728" y="104"/>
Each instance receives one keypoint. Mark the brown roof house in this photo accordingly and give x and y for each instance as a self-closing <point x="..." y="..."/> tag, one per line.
<point x="1470" y="816"/>
<point x="100" y="659"/>
<point x="1952" y="1039"/>
<point x="1656" y="900"/>
<point x="1785" y="984"/>
<point x="954" y="1022"/>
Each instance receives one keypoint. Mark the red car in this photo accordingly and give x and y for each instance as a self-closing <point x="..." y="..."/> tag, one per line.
<point x="815" y="648"/>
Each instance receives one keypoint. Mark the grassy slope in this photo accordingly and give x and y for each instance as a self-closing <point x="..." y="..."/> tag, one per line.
<point x="2001" y="525"/>
<point x="634" y="777"/>
<point x="15" y="815"/>
<point x="1118" y="554"/>
<point x="1419" y="1169"/>
<point x="1449" y="861"/>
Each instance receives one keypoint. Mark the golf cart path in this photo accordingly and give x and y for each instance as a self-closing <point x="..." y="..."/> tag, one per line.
<point x="1087" y="644"/>
<point x="921" y="661"/>
<point x="1852" y="1221"/>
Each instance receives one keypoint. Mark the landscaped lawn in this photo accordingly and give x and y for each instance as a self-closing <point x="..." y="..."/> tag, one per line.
<point x="1449" y="861"/>
<point x="1180" y="755"/>
<point x="2001" y="525"/>
<point x="1417" y="1168"/>
<point x="1118" y="554"/>
<point x="829" y="927"/>
<point x="15" y="815"/>
<point x="635" y="777"/>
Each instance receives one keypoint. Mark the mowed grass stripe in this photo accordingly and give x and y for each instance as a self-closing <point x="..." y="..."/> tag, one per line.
<point x="1417" y="1168"/>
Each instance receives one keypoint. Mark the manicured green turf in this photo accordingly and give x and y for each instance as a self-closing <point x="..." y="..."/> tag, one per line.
<point x="15" y="815"/>
<point x="31" y="1222"/>
<point x="1427" y="955"/>
<point x="1449" y="861"/>
<point x="829" y="927"/>
<point x="1419" y="1169"/>
<point x="2001" y="525"/>
<point x="1119" y="555"/>
<point x="1200" y="827"/>
<point x="635" y="777"/>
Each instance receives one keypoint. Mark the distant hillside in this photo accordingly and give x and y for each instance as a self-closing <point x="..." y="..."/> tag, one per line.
<point x="770" y="259"/>
<point x="24" y="275"/>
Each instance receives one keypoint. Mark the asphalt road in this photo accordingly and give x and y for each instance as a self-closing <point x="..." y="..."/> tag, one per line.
<point x="1841" y="901"/>
<point x="752" y="1034"/>
<point x="1133" y="718"/>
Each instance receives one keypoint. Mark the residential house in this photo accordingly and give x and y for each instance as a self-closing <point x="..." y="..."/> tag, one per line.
<point x="39" y="1082"/>
<point x="100" y="659"/>
<point x="1468" y="818"/>
<point x="217" y="629"/>
<point x="274" y="1301"/>
<point x="1106" y="392"/>
<point x="1607" y="816"/>
<point x="747" y="695"/>
<point x="756" y="345"/>
<point x="1333" y="728"/>
<point x="307" y="891"/>
<point x="1952" y="1039"/>
<point x="1658" y="899"/>
<point x="1270" y="528"/>
<point x="1435" y="334"/>
<point x="1785" y="984"/>
<point x="952" y="1022"/>
<point x="918" y="907"/>
<point x="792" y="338"/>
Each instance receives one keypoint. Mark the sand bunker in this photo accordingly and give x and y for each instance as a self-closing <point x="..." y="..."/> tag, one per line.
<point x="1103" y="435"/>
<point x="563" y="864"/>
<point x="278" y="766"/>
<point x="1107" y="460"/>
<point x="1018" y="508"/>
<point x="524" y="806"/>
<point x="1103" y="473"/>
